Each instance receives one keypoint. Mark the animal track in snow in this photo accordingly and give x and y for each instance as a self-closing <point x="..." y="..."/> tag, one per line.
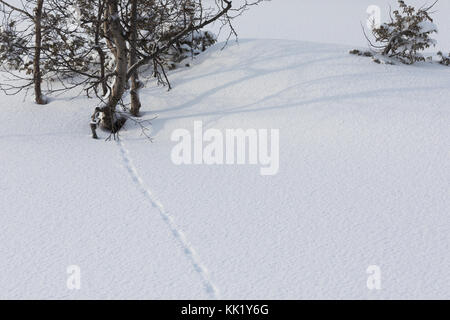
<point x="178" y="234"/>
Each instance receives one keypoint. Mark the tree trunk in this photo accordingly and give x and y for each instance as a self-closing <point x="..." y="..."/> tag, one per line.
<point x="135" y="83"/>
<point x="98" y="47"/>
<point x="115" y="29"/>
<point x="37" y="75"/>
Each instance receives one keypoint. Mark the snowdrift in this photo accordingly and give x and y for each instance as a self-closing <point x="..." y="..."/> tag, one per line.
<point x="363" y="180"/>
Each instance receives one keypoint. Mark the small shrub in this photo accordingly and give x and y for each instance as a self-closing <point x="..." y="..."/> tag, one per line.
<point x="406" y="35"/>
<point x="445" y="60"/>
<point x="361" y="53"/>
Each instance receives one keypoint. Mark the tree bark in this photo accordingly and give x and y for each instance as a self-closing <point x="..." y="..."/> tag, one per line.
<point x="37" y="75"/>
<point x="98" y="47"/>
<point x="135" y="83"/>
<point x="115" y="29"/>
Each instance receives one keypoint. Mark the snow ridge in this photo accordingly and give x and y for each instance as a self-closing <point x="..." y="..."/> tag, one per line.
<point x="178" y="234"/>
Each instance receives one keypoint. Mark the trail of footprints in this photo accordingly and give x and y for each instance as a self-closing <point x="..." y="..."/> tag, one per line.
<point x="178" y="234"/>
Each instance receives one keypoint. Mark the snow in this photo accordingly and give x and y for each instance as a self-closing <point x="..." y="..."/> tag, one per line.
<point x="363" y="180"/>
<point x="427" y="26"/>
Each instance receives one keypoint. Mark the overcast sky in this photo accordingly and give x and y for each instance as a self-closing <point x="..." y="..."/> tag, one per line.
<point x="336" y="21"/>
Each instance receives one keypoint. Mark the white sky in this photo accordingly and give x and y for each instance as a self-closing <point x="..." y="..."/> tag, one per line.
<point x="335" y="21"/>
